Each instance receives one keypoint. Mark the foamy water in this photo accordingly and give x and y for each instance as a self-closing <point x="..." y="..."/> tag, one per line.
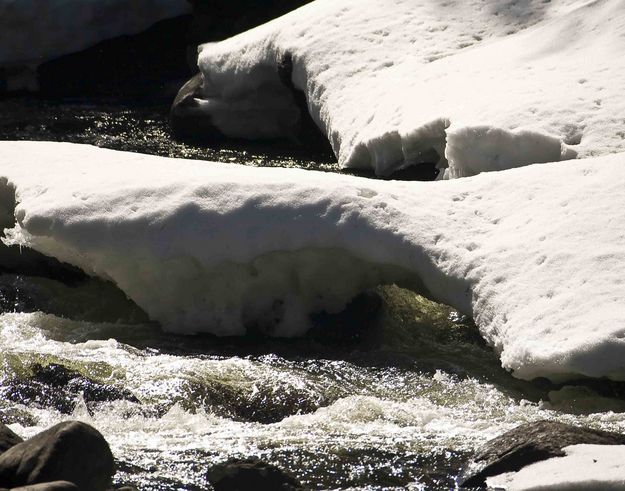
<point x="365" y="415"/>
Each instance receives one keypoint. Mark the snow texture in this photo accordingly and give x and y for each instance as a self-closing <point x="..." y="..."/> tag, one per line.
<point x="584" y="467"/>
<point x="535" y="254"/>
<point x="486" y="84"/>
<point x="34" y="31"/>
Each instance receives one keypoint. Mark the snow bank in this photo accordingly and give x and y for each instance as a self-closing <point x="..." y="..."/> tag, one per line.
<point x="536" y="254"/>
<point x="35" y="31"/>
<point x="599" y="467"/>
<point x="486" y="84"/>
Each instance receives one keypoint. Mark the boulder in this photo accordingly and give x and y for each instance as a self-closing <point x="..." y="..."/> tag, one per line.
<point x="250" y="474"/>
<point x="8" y="438"/>
<point x="58" y="387"/>
<point x="529" y="443"/>
<point x="187" y="119"/>
<point x="49" y="486"/>
<point x="69" y="451"/>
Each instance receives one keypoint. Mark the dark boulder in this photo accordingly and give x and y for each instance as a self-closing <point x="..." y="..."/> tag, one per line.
<point x="8" y="438"/>
<point x="250" y="474"/>
<point x="529" y="443"/>
<point x="70" y="451"/>
<point x="49" y="486"/>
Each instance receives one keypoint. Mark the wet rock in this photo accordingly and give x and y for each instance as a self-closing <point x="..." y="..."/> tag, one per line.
<point x="529" y="443"/>
<point x="8" y="438"/>
<point x="187" y="120"/>
<point x="58" y="387"/>
<point x="250" y="474"/>
<point x="260" y="403"/>
<point x="49" y="486"/>
<point x="70" y="451"/>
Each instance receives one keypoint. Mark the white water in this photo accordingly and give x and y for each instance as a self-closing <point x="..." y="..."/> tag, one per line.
<point x="366" y="421"/>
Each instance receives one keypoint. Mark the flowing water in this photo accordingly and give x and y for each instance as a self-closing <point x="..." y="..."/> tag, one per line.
<point x="396" y="392"/>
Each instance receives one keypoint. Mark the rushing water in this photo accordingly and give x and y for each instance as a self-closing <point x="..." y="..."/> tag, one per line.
<point x="399" y="400"/>
<point x="394" y="393"/>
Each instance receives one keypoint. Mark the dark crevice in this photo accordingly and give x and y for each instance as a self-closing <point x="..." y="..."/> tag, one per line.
<point x="426" y="171"/>
<point x="307" y="132"/>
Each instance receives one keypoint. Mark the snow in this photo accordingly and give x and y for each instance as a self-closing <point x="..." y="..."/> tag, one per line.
<point x="486" y="84"/>
<point x="597" y="467"/>
<point x="536" y="254"/>
<point x="35" y="31"/>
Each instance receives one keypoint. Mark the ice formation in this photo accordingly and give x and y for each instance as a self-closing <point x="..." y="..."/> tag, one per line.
<point x="487" y="85"/>
<point x="535" y="254"/>
<point x="35" y="31"/>
<point x="599" y="467"/>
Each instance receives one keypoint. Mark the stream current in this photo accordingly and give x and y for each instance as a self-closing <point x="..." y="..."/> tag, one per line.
<point x="394" y="393"/>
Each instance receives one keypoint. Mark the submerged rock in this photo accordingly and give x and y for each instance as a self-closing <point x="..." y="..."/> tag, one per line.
<point x="56" y="386"/>
<point x="250" y="474"/>
<point x="70" y="451"/>
<point x="8" y="438"/>
<point x="529" y="443"/>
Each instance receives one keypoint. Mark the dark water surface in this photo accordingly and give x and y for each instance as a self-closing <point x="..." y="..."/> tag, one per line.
<point x="138" y="126"/>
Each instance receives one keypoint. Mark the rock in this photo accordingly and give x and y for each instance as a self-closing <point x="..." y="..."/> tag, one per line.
<point x="55" y="386"/>
<point x="70" y="451"/>
<point x="250" y="474"/>
<point x="8" y="438"/>
<point x="529" y="443"/>
<point x="186" y="118"/>
<point x="49" y="486"/>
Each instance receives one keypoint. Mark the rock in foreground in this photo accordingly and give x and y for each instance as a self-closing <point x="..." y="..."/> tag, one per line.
<point x="8" y="438"/>
<point x="47" y="486"/>
<point x="530" y="443"/>
<point x="583" y="467"/>
<point x="69" y="451"/>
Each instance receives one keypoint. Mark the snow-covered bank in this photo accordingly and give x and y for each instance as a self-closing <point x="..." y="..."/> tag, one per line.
<point x="34" y="31"/>
<point x="486" y="85"/>
<point x="536" y="255"/>
<point x="584" y="467"/>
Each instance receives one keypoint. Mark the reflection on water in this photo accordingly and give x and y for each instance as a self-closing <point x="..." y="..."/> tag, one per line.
<point x="140" y="126"/>
<point x="398" y="396"/>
